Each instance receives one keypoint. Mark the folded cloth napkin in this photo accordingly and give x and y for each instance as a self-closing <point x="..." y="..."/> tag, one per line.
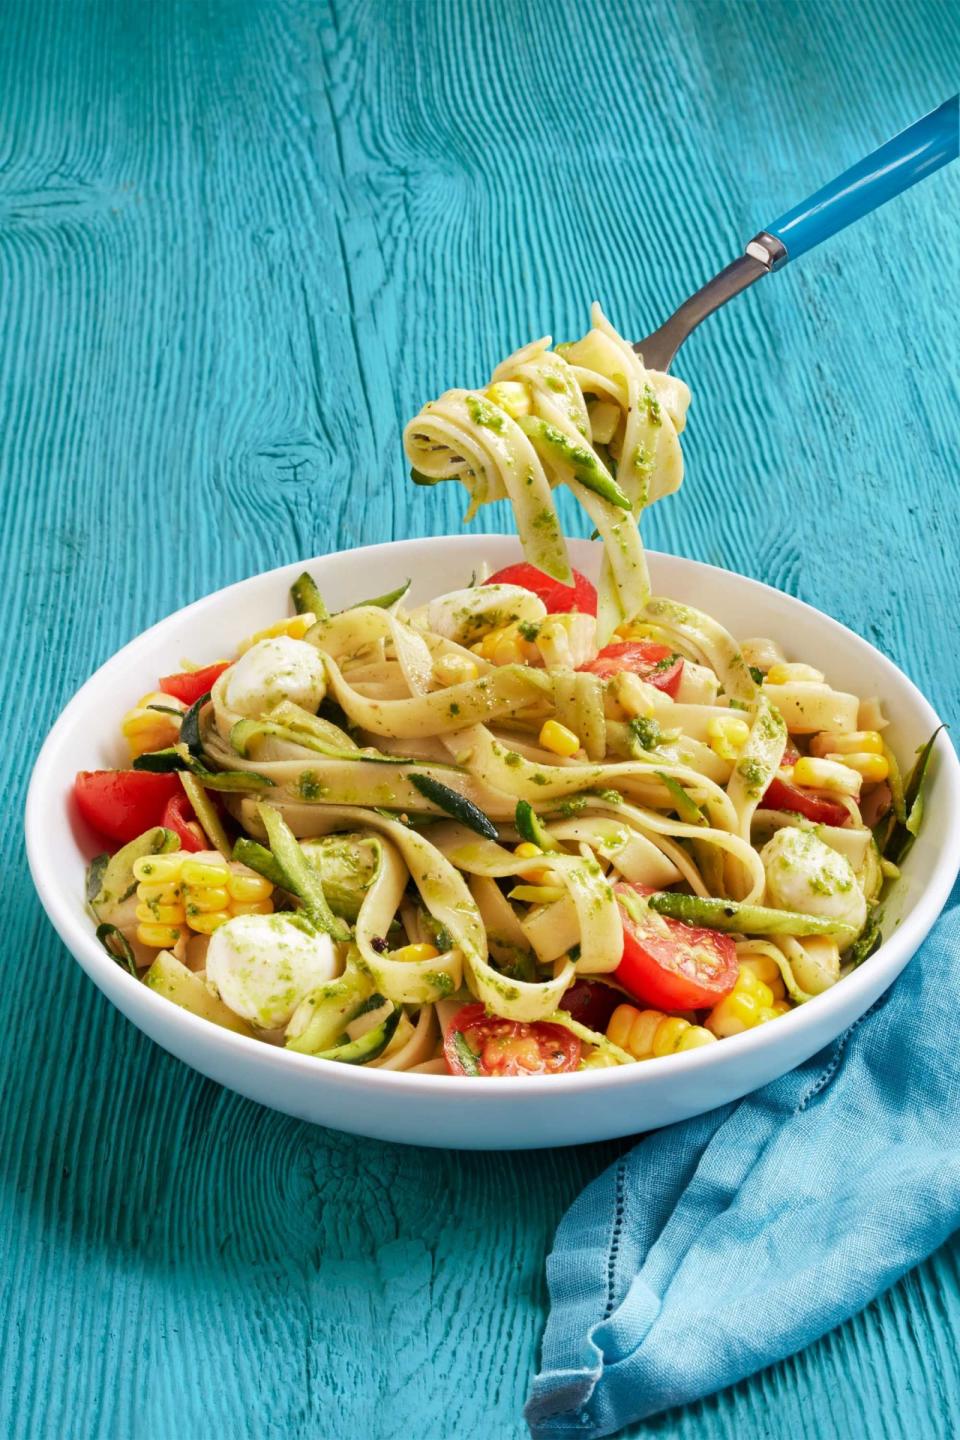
<point x="720" y="1245"/>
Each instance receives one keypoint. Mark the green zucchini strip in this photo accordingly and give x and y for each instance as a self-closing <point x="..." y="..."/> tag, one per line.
<point x="456" y="805"/>
<point x="746" y="919"/>
<point x="117" y="947"/>
<point x="531" y="829"/>
<point x="300" y="878"/>
<point x="206" y="813"/>
<point x="306" y="597"/>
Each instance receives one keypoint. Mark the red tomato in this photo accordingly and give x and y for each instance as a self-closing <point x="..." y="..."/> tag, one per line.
<point x="558" y="598"/>
<point x="178" y="816"/>
<point x="121" y="804"/>
<point x="782" y="795"/>
<point x="657" y="664"/>
<point x="191" y="684"/>
<point x="592" y="1003"/>
<point x="672" y="966"/>
<point x="481" y="1044"/>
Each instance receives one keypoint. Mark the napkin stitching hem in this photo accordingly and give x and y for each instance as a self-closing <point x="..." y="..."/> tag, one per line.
<point x="619" y="1211"/>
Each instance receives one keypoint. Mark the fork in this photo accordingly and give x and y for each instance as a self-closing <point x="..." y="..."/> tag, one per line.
<point x="910" y="156"/>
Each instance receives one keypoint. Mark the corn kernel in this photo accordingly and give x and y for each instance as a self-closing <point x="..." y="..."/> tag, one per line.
<point x="508" y="651"/>
<point x="762" y="966"/>
<point x="642" y="1032"/>
<point x="454" y="669"/>
<point x="296" y="626"/>
<point x="695" y="1036"/>
<point x="637" y="697"/>
<point x="409" y="954"/>
<point x="831" y="775"/>
<point x="160" y="914"/>
<point x="854" y="742"/>
<point x="166" y="893"/>
<point x="619" y="1024"/>
<point x="782" y="674"/>
<point x="727" y="735"/>
<point x="598" y="1060"/>
<point x="202" y="873"/>
<point x="206" y="924"/>
<point x="668" y="1035"/>
<point x="249" y="888"/>
<point x="781" y="1007"/>
<point x="872" y="768"/>
<point x="251" y="907"/>
<point x="512" y="396"/>
<point x="205" y="899"/>
<point x="527" y="851"/>
<point x="158" y="937"/>
<point x="736" y="1012"/>
<point x="158" y="868"/>
<point x="558" y="739"/>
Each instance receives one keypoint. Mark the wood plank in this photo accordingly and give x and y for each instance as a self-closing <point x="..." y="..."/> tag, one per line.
<point x="239" y="244"/>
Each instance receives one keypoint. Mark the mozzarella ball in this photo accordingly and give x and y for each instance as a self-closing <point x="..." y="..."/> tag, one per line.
<point x="262" y="966"/>
<point x="464" y="615"/>
<point x="805" y="874"/>
<point x="273" y="670"/>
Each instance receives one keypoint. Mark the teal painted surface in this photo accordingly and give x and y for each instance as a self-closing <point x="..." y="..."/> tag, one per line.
<point x="239" y="243"/>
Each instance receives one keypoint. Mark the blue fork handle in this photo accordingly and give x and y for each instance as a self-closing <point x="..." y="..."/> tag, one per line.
<point x="910" y="156"/>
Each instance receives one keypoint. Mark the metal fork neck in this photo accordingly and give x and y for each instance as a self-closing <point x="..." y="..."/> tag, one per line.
<point x="763" y="254"/>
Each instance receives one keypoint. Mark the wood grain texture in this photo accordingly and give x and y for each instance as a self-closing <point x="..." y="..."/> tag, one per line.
<point x="239" y="243"/>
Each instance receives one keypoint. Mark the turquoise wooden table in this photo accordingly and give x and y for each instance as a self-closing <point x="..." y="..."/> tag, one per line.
<point x="239" y="243"/>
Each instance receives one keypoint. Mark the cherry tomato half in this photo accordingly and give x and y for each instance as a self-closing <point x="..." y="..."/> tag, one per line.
<point x="782" y="795"/>
<point x="480" y="1044"/>
<point x="191" y="684"/>
<point x="669" y="965"/>
<point x="558" y="598"/>
<point x="178" y="816"/>
<point x="121" y="804"/>
<point x="657" y="664"/>
<point x="591" y="1003"/>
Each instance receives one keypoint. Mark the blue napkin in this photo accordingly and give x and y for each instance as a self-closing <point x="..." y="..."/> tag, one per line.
<point x="720" y="1245"/>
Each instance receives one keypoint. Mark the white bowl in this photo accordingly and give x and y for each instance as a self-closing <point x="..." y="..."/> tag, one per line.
<point x="444" y="1110"/>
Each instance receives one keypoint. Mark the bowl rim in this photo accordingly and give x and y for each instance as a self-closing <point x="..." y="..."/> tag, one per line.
<point x="80" y="938"/>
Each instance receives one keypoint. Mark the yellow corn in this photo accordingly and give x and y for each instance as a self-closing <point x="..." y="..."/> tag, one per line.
<point x="158" y="869"/>
<point x="598" y="1060"/>
<point x="752" y="1001"/>
<point x="526" y="850"/>
<point x="504" y="645"/>
<point x="855" y="742"/>
<point x="205" y="899"/>
<point x="558" y="739"/>
<point x="767" y="971"/>
<point x="409" y="954"/>
<point x="176" y="890"/>
<point x="248" y="889"/>
<point x="251" y="907"/>
<point x="146" y="729"/>
<point x="817" y="774"/>
<point x="512" y="396"/>
<point x="454" y="669"/>
<point x="636" y="696"/>
<point x="165" y="893"/>
<point x="206" y="924"/>
<point x="647" y="1033"/>
<point x="727" y="735"/>
<point x="872" y="768"/>
<point x="201" y="872"/>
<point x="296" y="626"/>
<point x="159" y="937"/>
<point x="156" y="914"/>
<point x="782" y="674"/>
